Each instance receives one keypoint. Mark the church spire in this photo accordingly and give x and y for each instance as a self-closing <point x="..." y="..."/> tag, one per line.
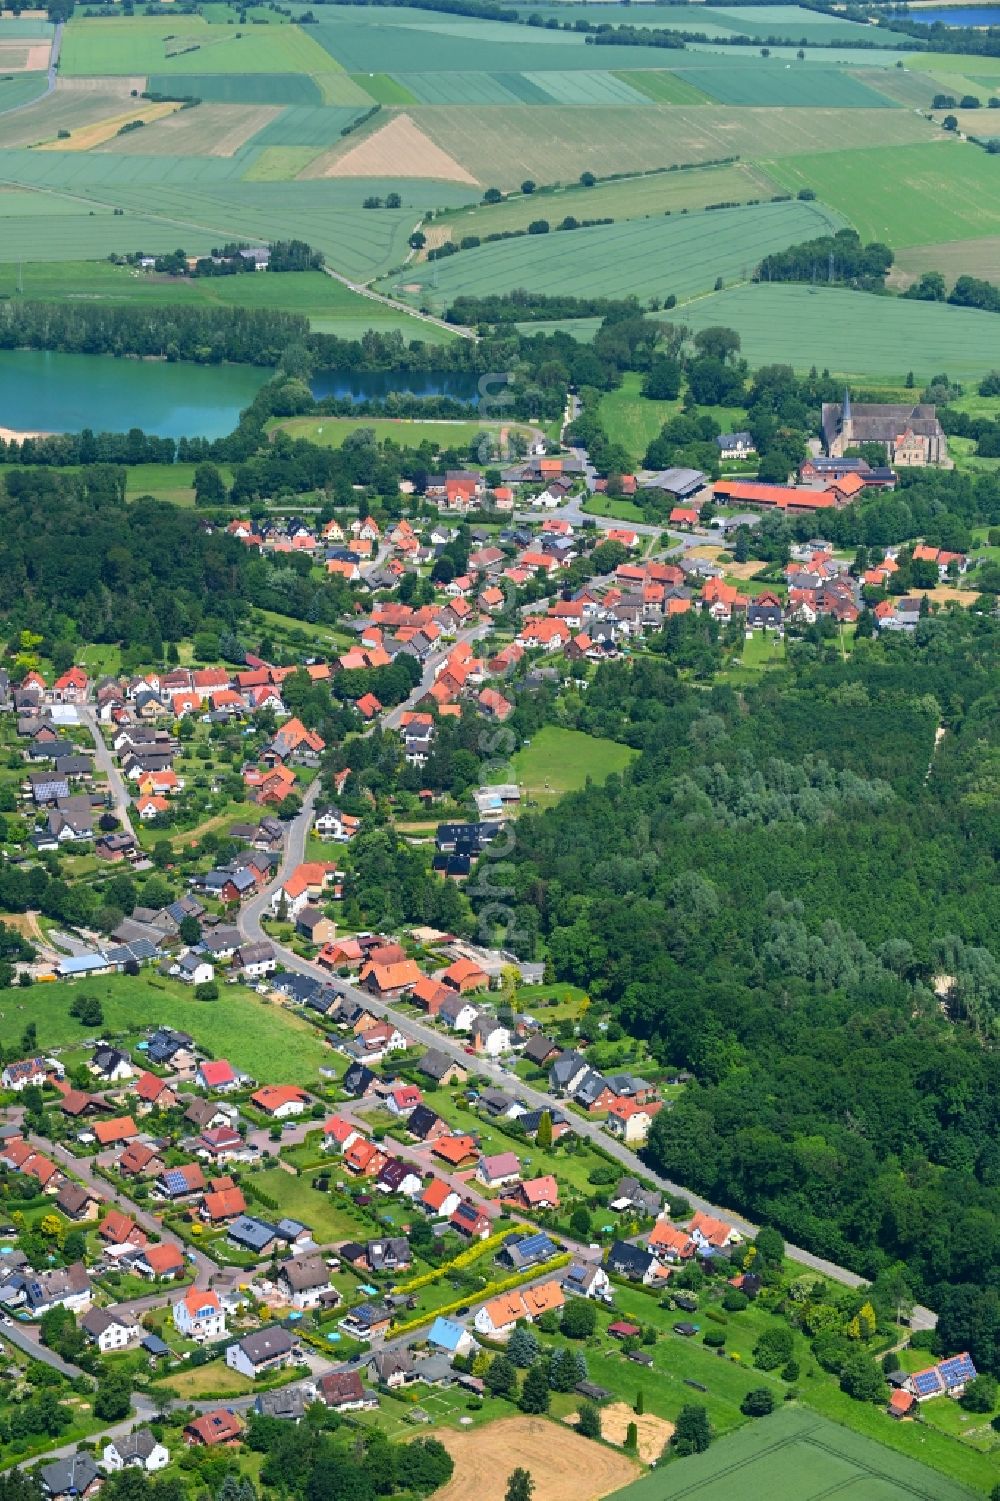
<point x="846" y="413"/>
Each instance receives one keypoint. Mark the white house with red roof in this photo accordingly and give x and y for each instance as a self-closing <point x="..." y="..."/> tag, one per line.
<point x="710" y="1234"/>
<point x="216" y="1074"/>
<point x="199" y="1315"/>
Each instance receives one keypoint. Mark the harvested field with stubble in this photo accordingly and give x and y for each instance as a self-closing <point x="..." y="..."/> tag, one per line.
<point x="564" y="1466"/>
<point x="87" y="137"/>
<point x="555" y="143"/>
<point x="399" y="149"/>
<point x="24" y="56"/>
<point x="208" y="130"/>
<point x="654" y="1432"/>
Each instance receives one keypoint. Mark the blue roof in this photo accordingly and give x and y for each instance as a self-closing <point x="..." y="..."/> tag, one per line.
<point x="446" y="1333"/>
<point x="533" y="1245"/>
<point x="926" y="1383"/>
<point x="175" y="1182"/>
<point x="155" y="1345"/>
<point x="956" y="1370"/>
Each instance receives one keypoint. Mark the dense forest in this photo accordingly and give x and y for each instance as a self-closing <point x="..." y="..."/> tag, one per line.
<point x="781" y="897"/>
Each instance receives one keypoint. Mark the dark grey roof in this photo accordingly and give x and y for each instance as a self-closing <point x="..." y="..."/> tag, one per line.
<point x="70" y="1476"/>
<point x="266" y="1344"/>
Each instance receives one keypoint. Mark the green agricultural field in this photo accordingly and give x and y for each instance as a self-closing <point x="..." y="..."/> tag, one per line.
<point x="232" y="88"/>
<point x="20" y="89"/>
<point x="306" y="125"/>
<point x="648" y="257"/>
<point x="796" y="1456"/>
<point x="907" y="195"/>
<point x="557" y="143"/>
<point x="263" y="1039"/>
<point x="635" y="198"/>
<point x="665" y="88"/>
<point x="330" y="432"/>
<point x="851" y="333"/>
<point x="774" y="83"/>
<point x="186" y="45"/>
<point x="559" y="761"/>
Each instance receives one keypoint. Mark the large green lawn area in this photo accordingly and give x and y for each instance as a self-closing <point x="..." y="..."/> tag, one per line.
<point x="795" y="1456"/>
<point x="559" y="761"/>
<point x="259" y="1037"/>
<point x="329" y="1219"/>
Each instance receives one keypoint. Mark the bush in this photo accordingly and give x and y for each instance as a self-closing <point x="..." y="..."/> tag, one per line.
<point x="715" y="1338"/>
<point x="773" y="1349"/>
<point x="735" y="1301"/>
<point x="758" y="1403"/>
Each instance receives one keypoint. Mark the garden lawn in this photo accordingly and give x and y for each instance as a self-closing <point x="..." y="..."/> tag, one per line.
<point x="559" y="761"/>
<point x="265" y="1040"/>
<point x="328" y="1218"/>
<point x="215" y="1379"/>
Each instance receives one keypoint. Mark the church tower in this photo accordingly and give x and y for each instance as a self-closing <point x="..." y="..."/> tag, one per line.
<point x="846" y="420"/>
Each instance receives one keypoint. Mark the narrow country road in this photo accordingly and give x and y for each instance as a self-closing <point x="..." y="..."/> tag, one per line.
<point x="106" y="762"/>
<point x="400" y="307"/>
<point x="50" y="82"/>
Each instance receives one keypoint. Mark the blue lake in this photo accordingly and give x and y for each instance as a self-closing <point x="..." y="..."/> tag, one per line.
<point x="959" y="15"/>
<point x="49" y="392"/>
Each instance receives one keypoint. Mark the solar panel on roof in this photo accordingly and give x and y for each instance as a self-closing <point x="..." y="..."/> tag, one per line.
<point x="926" y="1383"/>
<point x="175" y="1181"/>
<point x="956" y="1370"/>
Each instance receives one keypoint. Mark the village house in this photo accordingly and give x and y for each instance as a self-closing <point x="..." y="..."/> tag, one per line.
<point x="199" y="1315"/>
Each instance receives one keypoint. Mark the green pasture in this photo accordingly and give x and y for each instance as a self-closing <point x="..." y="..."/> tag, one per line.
<point x="173" y="482"/>
<point x="330" y="432"/>
<point x="186" y="45"/>
<point x="263" y="1039"/>
<point x="906" y="195"/>
<point x="852" y="333"/>
<point x="632" y="420"/>
<point x="559" y="761"/>
<point x="634" y="198"/>
<point x="682" y="255"/>
<point x="232" y="88"/>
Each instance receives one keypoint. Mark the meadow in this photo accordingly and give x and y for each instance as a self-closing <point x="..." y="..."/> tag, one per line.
<point x="682" y="255"/>
<point x="907" y="195"/>
<point x="795" y="1456"/>
<point x="559" y="761"/>
<point x="330" y="432"/>
<point x="261" y="1038"/>
<point x="851" y="333"/>
<point x="633" y="198"/>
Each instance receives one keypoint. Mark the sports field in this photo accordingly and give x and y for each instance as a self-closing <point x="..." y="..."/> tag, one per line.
<point x="795" y="1456"/>
<point x="852" y="333"/>
<point x="906" y="195"/>
<point x="681" y="255"/>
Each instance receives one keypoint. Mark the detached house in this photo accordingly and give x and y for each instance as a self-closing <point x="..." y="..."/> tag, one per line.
<point x="199" y="1315"/>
